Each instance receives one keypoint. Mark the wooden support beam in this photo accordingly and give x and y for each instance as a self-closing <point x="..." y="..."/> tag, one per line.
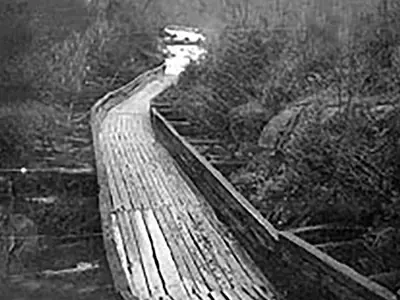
<point x="220" y="163"/>
<point x="198" y="142"/>
<point x="161" y="105"/>
<point x="330" y="245"/>
<point x="58" y="170"/>
<point x="178" y="124"/>
<point x="320" y="234"/>
<point x="171" y="114"/>
<point x="54" y="273"/>
<point x="166" y="109"/>
<point x="46" y="181"/>
<point x="178" y="119"/>
<point x="322" y="270"/>
<point x="389" y="279"/>
<point x="186" y="129"/>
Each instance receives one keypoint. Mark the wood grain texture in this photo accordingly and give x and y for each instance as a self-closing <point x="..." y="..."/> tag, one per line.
<point x="273" y="251"/>
<point x="98" y="113"/>
<point x="167" y="242"/>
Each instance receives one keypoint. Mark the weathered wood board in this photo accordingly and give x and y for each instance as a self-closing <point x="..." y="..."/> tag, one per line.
<point x="276" y="253"/>
<point x="162" y="238"/>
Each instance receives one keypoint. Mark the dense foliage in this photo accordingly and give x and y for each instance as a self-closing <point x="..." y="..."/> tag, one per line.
<point x="57" y="60"/>
<point x="344" y="170"/>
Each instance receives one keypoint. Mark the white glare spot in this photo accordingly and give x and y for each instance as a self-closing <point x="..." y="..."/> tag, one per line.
<point x="23" y="170"/>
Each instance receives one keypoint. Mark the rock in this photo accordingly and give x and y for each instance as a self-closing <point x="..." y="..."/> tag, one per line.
<point x="276" y="127"/>
<point x="280" y="129"/>
<point x="247" y="120"/>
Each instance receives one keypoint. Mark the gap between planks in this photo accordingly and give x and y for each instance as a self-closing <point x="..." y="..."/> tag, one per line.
<point x="143" y="158"/>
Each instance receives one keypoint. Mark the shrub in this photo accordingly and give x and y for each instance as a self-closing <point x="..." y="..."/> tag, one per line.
<point x="273" y="65"/>
<point x="70" y="63"/>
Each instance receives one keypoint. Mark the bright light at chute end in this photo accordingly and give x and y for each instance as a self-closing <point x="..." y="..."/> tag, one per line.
<point x="23" y="170"/>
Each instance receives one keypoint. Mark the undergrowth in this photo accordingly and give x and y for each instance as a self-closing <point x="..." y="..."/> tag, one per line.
<point x="343" y="170"/>
<point x="68" y="55"/>
<point x="57" y="59"/>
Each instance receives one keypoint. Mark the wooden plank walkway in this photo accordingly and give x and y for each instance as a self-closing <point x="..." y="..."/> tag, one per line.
<point x="170" y="243"/>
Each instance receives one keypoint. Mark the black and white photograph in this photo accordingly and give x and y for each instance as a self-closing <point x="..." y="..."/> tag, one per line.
<point x="200" y="150"/>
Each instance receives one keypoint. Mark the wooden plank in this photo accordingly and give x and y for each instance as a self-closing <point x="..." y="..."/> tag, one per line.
<point x="217" y="295"/>
<point x="244" y="293"/>
<point x="201" y="238"/>
<point x="163" y="168"/>
<point x="114" y="261"/>
<point x="57" y="170"/>
<point x="172" y="114"/>
<point x="334" y="232"/>
<point x="180" y="124"/>
<point x="161" y="105"/>
<point x="176" y="183"/>
<point x="216" y="256"/>
<point x="172" y="186"/>
<point x="114" y="157"/>
<point x="134" y="260"/>
<point x="136" y="273"/>
<point x="193" y="141"/>
<point x="136" y="129"/>
<point x="146" y="169"/>
<point x="180" y="257"/>
<point x="265" y="292"/>
<point x="200" y="261"/>
<point x="221" y="185"/>
<point x="230" y="295"/>
<point x="119" y="279"/>
<point x="239" y="272"/>
<point x="213" y="181"/>
<point x="122" y="255"/>
<point x="242" y="216"/>
<point x="137" y="178"/>
<point x="151" y="172"/>
<point x="242" y="227"/>
<point x="388" y="279"/>
<point x="156" y="197"/>
<point x="166" y="265"/>
<point x="162" y="192"/>
<point x="222" y="254"/>
<point x="137" y="268"/>
<point x="97" y="115"/>
<point x="189" y="259"/>
<point x="199" y="297"/>
<point x="166" y="109"/>
<point x="248" y="270"/>
<point x="331" y="245"/>
<point x="147" y="254"/>
<point x="133" y="180"/>
<point x="255" y="292"/>
<point x="351" y="283"/>
<point x="177" y="149"/>
<point x="222" y="163"/>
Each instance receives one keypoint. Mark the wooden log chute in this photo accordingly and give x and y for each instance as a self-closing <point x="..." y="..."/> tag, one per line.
<point x="161" y="235"/>
<point x="165" y="238"/>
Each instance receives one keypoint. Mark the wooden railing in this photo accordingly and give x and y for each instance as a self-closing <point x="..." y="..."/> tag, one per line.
<point x="250" y="228"/>
<point x="274" y="251"/>
<point x="271" y="249"/>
